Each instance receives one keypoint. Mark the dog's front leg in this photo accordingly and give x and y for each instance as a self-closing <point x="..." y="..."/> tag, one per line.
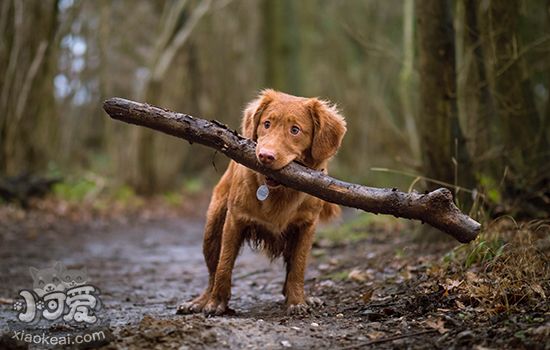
<point x="296" y="260"/>
<point x="232" y="240"/>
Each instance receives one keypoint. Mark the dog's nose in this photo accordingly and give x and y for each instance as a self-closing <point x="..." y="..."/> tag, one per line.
<point x="266" y="157"/>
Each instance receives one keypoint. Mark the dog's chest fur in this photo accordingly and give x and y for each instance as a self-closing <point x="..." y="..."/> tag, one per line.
<point x="276" y="222"/>
<point x="275" y="214"/>
<point x="279" y="210"/>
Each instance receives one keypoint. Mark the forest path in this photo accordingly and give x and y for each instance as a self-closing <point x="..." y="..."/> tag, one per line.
<point x="144" y="270"/>
<point x="376" y="284"/>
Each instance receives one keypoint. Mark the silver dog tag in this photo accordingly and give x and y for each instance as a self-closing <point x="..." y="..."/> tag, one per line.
<point x="262" y="193"/>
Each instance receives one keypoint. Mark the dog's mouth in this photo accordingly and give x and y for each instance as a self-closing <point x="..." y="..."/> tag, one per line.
<point x="270" y="182"/>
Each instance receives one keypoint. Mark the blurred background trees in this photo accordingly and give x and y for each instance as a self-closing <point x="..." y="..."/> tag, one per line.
<point x="28" y="56"/>
<point x="452" y="91"/>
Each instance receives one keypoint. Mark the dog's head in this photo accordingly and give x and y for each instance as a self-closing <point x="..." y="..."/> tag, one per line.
<point x="288" y="128"/>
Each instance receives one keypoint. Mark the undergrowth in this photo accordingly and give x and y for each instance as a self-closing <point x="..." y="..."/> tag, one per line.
<point x="90" y="195"/>
<point x="505" y="269"/>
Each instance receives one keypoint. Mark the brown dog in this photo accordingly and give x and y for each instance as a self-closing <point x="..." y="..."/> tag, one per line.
<point x="286" y="128"/>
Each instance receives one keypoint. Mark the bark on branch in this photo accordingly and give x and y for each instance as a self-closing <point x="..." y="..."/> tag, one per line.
<point x="435" y="208"/>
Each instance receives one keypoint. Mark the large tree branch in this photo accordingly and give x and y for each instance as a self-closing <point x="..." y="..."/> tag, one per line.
<point x="435" y="208"/>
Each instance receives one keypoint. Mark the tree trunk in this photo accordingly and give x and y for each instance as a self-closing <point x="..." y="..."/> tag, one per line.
<point x="436" y="208"/>
<point x="544" y="132"/>
<point x="444" y="154"/>
<point x="475" y="103"/>
<point x="282" y="45"/>
<point x="27" y="63"/>
<point x="405" y="84"/>
<point x="145" y="174"/>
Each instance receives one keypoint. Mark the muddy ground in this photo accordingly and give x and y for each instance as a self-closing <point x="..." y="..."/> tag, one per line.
<point x="376" y="290"/>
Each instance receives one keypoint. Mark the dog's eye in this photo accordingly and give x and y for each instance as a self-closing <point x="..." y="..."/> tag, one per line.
<point x="295" y="130"/>
<point x="267" y="124"/>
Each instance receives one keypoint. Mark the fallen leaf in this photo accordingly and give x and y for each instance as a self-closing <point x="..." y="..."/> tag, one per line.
<point x="373" y="335"/>
<point x="450" y="285"/>
<point x="407" y="275"/>
<point x="542" y="331"/>
<point x="471" y="276"/>
<point x="438" y="325"/>
<point x="366" y="296"/>
<point x="357" y="275"/>
<point x="538" y="289"/>
<point x="434" y="270"/>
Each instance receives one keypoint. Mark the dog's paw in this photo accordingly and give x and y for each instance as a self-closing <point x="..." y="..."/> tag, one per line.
<point x="194" y="306"/>
<point x="314" y="302"/>
<point x="189" y="307"/>
<point x="215" y="308"/>
<point x="305" y="308"/>
<point x="298" y="309"/>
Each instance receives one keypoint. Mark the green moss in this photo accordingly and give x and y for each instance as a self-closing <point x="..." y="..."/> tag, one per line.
<point x="75" y="190"/>
<point x="124" y="194"/>
<point x="193" y="185"/>
<point x="173" y="198"/>
<point x="336" y="276"/>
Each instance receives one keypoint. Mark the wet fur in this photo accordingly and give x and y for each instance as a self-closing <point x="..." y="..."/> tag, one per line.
<point x="284" y="224"/>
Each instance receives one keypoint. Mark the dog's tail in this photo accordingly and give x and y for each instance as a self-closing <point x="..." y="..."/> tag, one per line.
<point x="330" y="211"/>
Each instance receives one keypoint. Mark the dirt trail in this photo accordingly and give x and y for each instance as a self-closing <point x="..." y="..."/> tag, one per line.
<point x="147" y="269"/>
<point x="144" y="269"/>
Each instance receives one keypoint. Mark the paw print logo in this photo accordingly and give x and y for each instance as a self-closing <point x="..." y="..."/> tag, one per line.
<point x="40" y="305"/>
<point x="18" y="305"/>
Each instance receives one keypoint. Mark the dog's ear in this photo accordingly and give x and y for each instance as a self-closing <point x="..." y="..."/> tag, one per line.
<point x="253" y="113"/>
<point x="329" y="129"/>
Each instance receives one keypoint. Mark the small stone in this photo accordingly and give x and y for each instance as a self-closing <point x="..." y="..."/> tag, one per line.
<point x="286" y="343"/>
<point x="327" y="284"/>
<point x="295" y="328"/>
<point x="371" y="315"/>
<point x="209" y="337"/>
<point x="313" y="324"/>
<point x="400" y="343"/>
<point x="464" y="337"/>
<point x="339" y="315"/>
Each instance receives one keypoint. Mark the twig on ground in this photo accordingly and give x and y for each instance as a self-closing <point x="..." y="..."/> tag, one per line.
<point x="385" y="340"/>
